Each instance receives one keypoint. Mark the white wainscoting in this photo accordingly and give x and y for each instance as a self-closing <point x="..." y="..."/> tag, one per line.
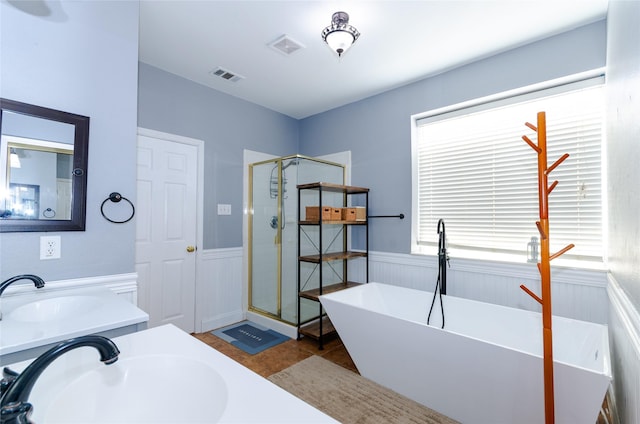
<point x="624" y="344"/>
<point x="577" y="294"/>
<point x="125" y="285"/>
<point x="219" y="289"/>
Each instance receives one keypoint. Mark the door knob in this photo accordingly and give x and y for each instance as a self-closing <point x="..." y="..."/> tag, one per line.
<point x="191" y="249"/>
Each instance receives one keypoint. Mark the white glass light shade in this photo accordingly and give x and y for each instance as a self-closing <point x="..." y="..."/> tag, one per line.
<point x="340" y="35"/>
<point x="340" y="41"/>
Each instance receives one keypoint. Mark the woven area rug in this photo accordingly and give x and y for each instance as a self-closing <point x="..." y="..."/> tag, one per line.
<point x="349" y="397"/>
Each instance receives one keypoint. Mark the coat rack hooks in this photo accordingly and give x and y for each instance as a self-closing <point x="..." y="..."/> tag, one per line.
<point x="116" y="197"/>
<point x="544" y="189"/>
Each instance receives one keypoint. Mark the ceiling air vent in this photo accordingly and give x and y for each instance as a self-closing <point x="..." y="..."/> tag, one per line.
<point x="285" y="45"/>
<point x="226" y="75"/>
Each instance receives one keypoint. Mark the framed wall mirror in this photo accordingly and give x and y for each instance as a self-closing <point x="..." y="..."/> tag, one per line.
<point x="43" y="168"/>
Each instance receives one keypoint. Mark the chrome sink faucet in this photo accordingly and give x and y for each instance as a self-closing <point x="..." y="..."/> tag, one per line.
<point x="15" y="388"/>
<point x="37" y="281"/>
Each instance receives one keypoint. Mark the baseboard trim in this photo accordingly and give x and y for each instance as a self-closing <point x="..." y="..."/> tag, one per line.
<point x="221" y="321"/>
<point x="282" y="328"/>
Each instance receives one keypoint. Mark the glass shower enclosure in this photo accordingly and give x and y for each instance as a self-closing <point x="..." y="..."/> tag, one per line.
<point x="273" y="230"/>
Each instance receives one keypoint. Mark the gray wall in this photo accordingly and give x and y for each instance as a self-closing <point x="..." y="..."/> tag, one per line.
<point x="377" y="130"/>
<point x="227" y="125"/>
<point x="80" y="58"/>
<point x="83" y="59"/>
<point x="623" y="152"/>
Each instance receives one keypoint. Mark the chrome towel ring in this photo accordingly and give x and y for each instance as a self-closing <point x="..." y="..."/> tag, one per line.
<point x="116" y="197"/>
<point x="49" y="213"/>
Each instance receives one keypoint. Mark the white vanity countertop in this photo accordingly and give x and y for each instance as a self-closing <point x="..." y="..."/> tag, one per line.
<point x="189" y="382"/>
<point x="50" y="315"/>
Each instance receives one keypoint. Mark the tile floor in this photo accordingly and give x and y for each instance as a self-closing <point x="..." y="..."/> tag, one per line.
<point x="281" y="356"/>
<point x="285" y="354"/>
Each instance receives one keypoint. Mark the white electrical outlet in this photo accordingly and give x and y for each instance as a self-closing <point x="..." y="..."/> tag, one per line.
<point x="50" y="247"/>
<point x="224" y="209"/>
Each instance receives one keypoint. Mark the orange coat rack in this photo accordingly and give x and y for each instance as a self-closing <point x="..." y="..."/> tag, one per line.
<point x="544" y="189"/>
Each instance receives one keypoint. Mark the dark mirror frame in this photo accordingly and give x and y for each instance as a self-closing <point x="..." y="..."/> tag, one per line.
<point x="80" y="160"/>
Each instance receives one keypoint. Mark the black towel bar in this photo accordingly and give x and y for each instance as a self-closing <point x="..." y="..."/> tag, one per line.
<point x="401" y="216"/>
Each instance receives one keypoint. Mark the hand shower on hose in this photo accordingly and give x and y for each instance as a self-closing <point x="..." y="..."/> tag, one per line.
<point x="443" y="261"/>
<point x="274" y="190"/>
<point x="443" y="256"/>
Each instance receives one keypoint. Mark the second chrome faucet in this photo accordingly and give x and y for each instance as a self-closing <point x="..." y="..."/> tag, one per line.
<point x="37" y="281"/>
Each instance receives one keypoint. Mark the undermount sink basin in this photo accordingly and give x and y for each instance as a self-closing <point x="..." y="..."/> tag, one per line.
<point x="55" y="308"/>
<point x="142" y="389"/>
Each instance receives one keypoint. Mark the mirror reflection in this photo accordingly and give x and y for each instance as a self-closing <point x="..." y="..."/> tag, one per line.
<point x="37" y="172"/>
<point x="42" y="168"/>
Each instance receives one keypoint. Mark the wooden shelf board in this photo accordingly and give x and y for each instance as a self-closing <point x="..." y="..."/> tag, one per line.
<point x="334" y="256"/>
<point x="313" y="329"/>
<point x="313" y="294"/>
<point x="333" y="222"/>
<point x="338" y="188"/>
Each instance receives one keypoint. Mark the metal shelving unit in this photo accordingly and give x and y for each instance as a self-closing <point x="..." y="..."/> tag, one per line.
<point x="319" y="326"/>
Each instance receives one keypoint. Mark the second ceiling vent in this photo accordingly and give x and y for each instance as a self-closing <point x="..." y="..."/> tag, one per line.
<point x="226" y="75"/>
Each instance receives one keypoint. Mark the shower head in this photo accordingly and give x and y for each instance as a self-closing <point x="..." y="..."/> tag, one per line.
<point x="273" y="180"/>
<point x="293" y="161"/>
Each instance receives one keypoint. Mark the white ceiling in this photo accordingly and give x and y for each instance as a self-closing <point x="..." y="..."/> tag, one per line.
<point x="401" y="42"/>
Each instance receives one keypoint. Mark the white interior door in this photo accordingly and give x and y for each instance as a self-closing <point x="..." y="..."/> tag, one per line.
<point x="65" y="194"/>
<point x="166" y="231"/>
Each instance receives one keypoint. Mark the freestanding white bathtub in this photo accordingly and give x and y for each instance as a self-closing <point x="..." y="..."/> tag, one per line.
<point x="485" y="366"/>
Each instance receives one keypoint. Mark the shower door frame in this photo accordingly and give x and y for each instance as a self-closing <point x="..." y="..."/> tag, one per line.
<point x="250" y="216"/>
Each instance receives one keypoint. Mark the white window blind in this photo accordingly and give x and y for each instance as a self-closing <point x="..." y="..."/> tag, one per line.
<point x="475" y="171"/>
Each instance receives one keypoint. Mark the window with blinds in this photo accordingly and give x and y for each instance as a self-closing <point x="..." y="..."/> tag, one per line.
<point x="473" y="169"/>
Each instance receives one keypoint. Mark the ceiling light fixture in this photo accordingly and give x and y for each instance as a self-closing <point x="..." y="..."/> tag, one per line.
<point x="340" y="35"/>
